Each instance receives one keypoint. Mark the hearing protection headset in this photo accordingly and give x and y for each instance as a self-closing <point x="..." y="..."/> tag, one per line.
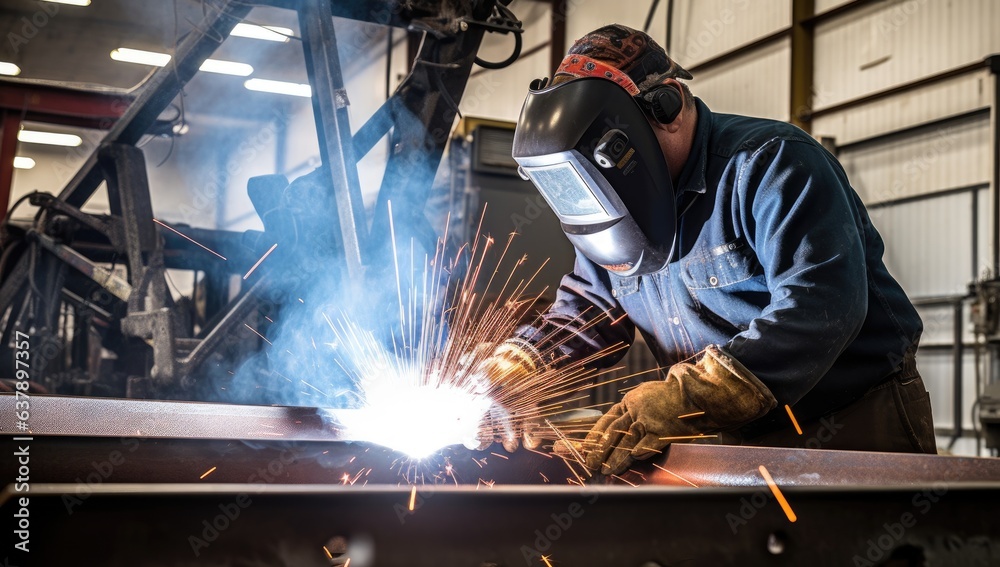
<point x="661" y="103"/>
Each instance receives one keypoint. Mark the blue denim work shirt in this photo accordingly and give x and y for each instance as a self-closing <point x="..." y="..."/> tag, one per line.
<point x="777" y="261"/>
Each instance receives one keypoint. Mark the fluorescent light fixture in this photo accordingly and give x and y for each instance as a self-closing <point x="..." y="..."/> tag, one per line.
<point x="139" y="56"/>
<point x="279" y="87"/>
<point x="23" y="162"/>
<point x="49" y="138"/>
<point x="226" y="67"/>
<point x="268" y="33"/>
<point x="70" y="2"/>
<point x="9" y="69"/>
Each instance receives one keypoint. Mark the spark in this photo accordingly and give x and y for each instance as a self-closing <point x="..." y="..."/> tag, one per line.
<point x="186" y="237"/>
<point x="795" y="422"/>
<point x="413" y="497"/>
<point x="545" y="558"/>
<point x="208" y="472"/>
<point x="545" y="478"/>
<point x="692" y="414"/>
<point x="348" y="562"/>
<point x="680" y="437"/>
<point x="504" y="457"/>
<point x="258" y="334"/>
<point x="328" y="554"/>
<point x="424" y="389"/>
<point x="777" y="494"/>
<point x="262" y="258"/>
<point x="632" y="484"/>
<point x="675" y="475"/>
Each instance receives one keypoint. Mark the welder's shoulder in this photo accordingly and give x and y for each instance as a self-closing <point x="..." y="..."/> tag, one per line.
<point x="736" y="136"/>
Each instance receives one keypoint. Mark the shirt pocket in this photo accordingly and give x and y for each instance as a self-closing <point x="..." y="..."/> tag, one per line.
<point x="719" y="267"/>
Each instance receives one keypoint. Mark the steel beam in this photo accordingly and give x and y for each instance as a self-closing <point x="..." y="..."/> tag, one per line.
<point x="330" y="110"/>
<point x="256" y="524"/>
<point x="163" y="86"/>
<point x="10" y="123"/>
<point x="176" y="441"/>
<point x="61" y="105"/>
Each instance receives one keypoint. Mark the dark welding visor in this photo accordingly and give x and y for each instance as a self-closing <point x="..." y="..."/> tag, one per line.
<point x="589" y="149"/>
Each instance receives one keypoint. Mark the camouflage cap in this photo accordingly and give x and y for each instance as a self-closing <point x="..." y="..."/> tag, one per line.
<point x="628" y="50"/>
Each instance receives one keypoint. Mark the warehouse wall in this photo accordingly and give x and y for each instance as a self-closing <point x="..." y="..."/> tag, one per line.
<point x="928" y="188"/>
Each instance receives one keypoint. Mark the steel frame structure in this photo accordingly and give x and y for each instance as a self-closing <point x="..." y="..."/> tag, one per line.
<point x="418" y="118"/>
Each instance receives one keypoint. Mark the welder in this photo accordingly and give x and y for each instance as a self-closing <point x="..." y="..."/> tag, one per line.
<point x="735" y="246"/>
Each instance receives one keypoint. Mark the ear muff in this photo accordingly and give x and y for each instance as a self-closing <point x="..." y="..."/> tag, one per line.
<point x="662" y="103"/>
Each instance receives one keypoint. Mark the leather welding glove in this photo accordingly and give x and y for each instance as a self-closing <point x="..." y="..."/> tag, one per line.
<point x="511" y="364"/>
<point x="711" y="394"/>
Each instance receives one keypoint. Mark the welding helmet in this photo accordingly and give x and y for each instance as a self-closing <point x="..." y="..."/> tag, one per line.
<point x="588" y="147"/>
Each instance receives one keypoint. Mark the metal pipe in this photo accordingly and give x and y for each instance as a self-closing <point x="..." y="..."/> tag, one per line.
<point x="105" y="278"/>
<point x="958" y="351"/>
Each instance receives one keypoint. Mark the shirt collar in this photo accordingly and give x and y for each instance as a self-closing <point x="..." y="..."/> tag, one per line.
<point x="692" y="178"/>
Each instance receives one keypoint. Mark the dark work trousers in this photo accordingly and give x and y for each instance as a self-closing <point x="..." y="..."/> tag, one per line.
<point x="893" y="416"/>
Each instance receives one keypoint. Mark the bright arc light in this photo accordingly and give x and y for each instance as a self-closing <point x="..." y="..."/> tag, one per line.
<point x="21" y="162"/>
<point x="70" y="2"/>
<point x="267" y="33"/>
<point x="417" y="420"/>
<point x="226" y="67"/>
<point x="141" y="57"/>
<point x="49" y="138"/>
<point x="9" y="69"/>
<point x="279" y="87"/>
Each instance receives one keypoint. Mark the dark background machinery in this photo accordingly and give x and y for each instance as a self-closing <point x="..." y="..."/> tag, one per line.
<point x="58" y="276"/>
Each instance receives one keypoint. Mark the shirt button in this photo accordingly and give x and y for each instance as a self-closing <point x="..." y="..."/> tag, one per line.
<point x="713" y="281"/>
<point x="614" y="293"/>
<point x="676" y="320"/>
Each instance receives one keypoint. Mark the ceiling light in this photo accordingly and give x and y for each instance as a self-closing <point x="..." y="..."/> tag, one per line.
<point x="70" y="2"/>
<point x="9" y="69"/>
<point x="226" y="67"/>
<point x="49" y="138"/>
<point x="23" y="162"/>
<point x="269" y="33"/>
<point x="141" y="57"/>
<point x="279" y="87"/>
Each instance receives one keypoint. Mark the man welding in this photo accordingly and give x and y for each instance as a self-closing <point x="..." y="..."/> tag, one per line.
<point x="735" y="245"/>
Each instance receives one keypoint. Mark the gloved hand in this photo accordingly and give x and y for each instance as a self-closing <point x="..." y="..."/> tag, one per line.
<point x="646" y="419"/>
<point x="511" y="364"/>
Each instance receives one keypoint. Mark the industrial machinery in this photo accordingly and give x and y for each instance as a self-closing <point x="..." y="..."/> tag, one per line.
<point x="101" y="330"/>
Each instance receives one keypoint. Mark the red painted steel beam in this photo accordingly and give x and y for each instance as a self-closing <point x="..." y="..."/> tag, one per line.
<point x="60" y="105"/>
<point x="10" y="123"/>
